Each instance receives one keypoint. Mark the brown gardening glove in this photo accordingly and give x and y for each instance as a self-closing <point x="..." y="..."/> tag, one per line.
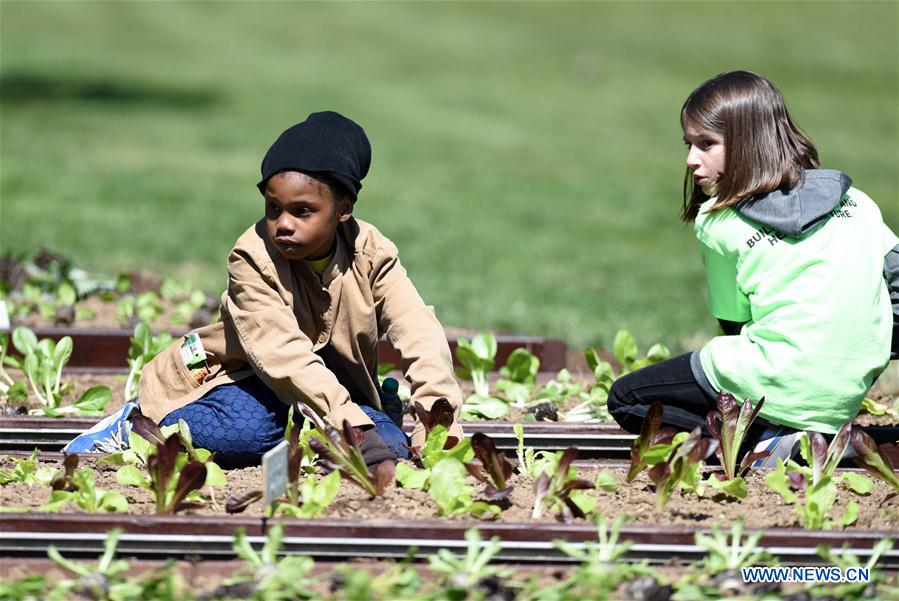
<point x="374" y="449"/>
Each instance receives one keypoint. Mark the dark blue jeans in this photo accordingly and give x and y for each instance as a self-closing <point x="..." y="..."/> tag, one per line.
<point x="240" y="422"/>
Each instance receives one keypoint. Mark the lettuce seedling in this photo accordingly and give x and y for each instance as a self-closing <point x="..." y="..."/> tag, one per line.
<point x="266" y="576"/>
<point x="11" y="391"/>
<point x="92" y="402"/>
<point x="559" y="389"/>
<point x="171" y="475"/>
<point x="871" y="458"/>
<point x="603" y="374"/>
<point x="889" y="407"/>
<point x="626" y="352"/>
<point x="606" y="481"/>
<point x="818" y="479"/>
<point x="652" y="445"/>
<point x="487" y="407"/>
<point x="28" y="586"/>
<point x="495" y="468"/>
<point x="341" y="450"/>
<point x="461" y="575"/>
<point x="79" y="487"/>
<point x="65" y="480"/>
<point x="682" y="467"/>
<point x="52" y="288"/>
<point x="186" y="299"/>
<point x="156" y="435"/>
<point x="315" y="496"/>
<point x="554" y="490"/>
<point x="729" y="425"/>
<point x="594" y="401"/>
<point x="477" y="359"/>
<point x="449" y="488"/>
<point x="444" y="471"/>
<point x="519" y="377"/>
<point x="144" y="346"/>
<point x="530" y="462"/>
<point x="399" y="581"/>
<point x="301" y="459"/>
<point x="593" y="407"/>
<point x="146" y="306"/>
<point x="304" y="497"/>
<point x="438" y="445"/>
<point x="601" y="569"/>
<point x="438" y="442"/>
<point x="729" y="551"/>
<point x="163" y="469"/>
<point x="27" y="472"/>
<point x="879" y="584"/>
<point x="556" y="392"/>
<point x="144" y="440"/>
<point x="43" y="362"/>
<point x="440" y="414"/>
<point x="106" y="580"/>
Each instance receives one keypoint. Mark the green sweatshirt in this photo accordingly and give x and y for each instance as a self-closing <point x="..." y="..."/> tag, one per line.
<point x="808" y="283"/>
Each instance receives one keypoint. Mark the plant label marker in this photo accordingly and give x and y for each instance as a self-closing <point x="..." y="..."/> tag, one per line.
<point x="274" y="472"/>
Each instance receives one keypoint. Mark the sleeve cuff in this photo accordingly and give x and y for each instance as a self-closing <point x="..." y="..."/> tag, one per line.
<point x="350" y="412"/>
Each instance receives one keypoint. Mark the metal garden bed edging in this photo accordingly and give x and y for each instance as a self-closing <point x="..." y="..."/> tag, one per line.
<point x="600" y="440"/>
<point x="211" y="537"/>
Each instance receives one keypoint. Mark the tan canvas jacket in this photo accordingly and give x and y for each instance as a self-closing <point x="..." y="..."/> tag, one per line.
<point x="313" y="340"/>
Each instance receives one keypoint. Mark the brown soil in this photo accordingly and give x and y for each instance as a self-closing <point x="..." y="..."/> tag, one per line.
<point x="761" y="509"/>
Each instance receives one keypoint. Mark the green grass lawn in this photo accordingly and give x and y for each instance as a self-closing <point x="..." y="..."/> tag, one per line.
<point x="527" y="161"/>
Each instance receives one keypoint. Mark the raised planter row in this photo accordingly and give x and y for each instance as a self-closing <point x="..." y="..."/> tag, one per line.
<point x="108" y="348"/>
<point x="149" y="537"/>
<point x="594" y="441"/>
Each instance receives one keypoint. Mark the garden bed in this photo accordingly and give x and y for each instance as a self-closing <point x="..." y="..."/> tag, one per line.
<point x="108" y="347"/>
<point x="762" y="508"/>
<point x="115" y="378"/>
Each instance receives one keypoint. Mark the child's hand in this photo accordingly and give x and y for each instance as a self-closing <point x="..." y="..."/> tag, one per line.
<point x="374" y="450"/>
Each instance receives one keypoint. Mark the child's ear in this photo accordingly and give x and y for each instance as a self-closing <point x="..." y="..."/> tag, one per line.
<point x="344" y="209"/>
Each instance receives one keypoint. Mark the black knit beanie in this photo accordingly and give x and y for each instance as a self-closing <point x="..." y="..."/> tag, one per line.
<point x="326" y="143"/>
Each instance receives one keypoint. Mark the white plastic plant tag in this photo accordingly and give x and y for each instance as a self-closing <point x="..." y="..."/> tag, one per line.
<point x="274" y="472"/>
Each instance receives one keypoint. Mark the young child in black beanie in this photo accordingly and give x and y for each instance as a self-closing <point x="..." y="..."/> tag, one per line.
<point x="311" y="290"/>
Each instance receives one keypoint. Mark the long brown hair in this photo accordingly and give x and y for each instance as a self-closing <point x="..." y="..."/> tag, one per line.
<point x="763" y="149"/>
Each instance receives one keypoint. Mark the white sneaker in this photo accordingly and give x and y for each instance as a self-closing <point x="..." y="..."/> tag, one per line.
<point x="109" y="435"/>
<point x="781" y="441"/>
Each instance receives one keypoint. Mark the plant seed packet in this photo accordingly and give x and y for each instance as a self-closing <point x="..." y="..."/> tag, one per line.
<point x="194" y="356"/>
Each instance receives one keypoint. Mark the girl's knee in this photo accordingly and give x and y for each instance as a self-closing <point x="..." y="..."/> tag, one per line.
<point x="614" y="397"/>
<point x="619" y="393"/>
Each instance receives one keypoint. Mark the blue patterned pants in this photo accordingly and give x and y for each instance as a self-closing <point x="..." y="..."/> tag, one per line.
<point x="241" y="421"/>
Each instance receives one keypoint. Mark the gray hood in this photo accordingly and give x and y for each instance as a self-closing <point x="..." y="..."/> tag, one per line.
<point x="800" y="210"/>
